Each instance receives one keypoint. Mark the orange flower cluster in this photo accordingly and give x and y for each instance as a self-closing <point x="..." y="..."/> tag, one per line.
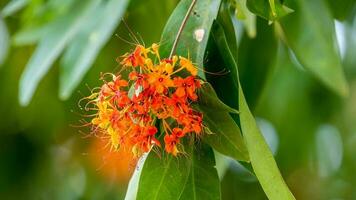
<point x="128" y="110"/>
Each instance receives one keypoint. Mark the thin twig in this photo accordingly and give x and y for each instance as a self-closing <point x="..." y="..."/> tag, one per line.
<point x="181" y="28"/>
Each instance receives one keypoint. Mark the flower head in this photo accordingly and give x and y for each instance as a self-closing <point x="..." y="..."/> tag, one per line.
<point x="128" y="111"/>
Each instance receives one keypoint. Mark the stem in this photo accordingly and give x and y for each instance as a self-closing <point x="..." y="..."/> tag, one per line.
<point x="181" y="28"/>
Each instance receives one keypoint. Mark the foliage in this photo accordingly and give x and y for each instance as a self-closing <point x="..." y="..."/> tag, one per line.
<point x="240" y="47"/>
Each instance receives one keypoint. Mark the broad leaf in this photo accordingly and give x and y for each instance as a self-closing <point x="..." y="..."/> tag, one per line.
<point x="50" y="47"/>
<point x="256" y="61"/>
<point x="4" y="41"/>
<point x="222" y="133"/>
<point x="194" y="38"/>
<point x="269" y="9"/>
<point x="310" y="33"/>
<point x="163" y="177"/>
<point x="262" y="162"/>
<point x="87" y="44"/>
<point x="203" y="181"/>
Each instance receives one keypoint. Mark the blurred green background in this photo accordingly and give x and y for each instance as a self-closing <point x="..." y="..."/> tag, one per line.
<point x="43" y="155"/>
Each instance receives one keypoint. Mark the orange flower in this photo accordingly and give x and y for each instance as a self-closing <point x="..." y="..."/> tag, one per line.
<point x="186" y="87"/>
<point x="136" y="58"/>
<point x="157" y="93"/>
<point x="187" y="64"/>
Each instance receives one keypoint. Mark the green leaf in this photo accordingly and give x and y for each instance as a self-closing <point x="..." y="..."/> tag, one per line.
<point x="4" y="41"/>
<point x="163" y="177"/>
<point x="310" y="33"/>
<point x="83" y="51"/>
<point x="247" y="17"/>
<point x="222" y="133"/>
<point x="256" y="61"/>
<point x="12" y="7"/>
<point x="50" y="47"/>
<point x="132" y="188"/>
<point x="203" y="181"/>
<point x="269" y="10"/>
<point x="193" y="40"/>
<point x="183" y="177"/>
<point x="261" y="157"/>
<point x="30" y="36"/>
<point x="341" y="9"/>
<point x="262" y="160"/>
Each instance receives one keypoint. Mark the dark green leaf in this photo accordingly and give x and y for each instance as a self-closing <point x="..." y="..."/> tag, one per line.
<point x="263" y="163"/>
<point x="222" y="133"/>
<point x="194" y="37"/>
<point x="341" y="9"/>
<point x="203" y="181"/>
<point x="310" y="33"/>
<point x="50" y="47"/>
<point x="87" y="44"/>
<point x="269" y="9"/>
<point x="256" y="61"/>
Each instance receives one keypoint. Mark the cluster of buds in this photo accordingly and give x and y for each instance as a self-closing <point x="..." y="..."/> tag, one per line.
<point x="127" y="110"/>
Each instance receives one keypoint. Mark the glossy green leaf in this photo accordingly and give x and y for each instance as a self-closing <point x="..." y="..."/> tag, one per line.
<point x="13" y="6"/>
<point x="4" y="41"/>
<point x="184" y="177"/>
<point x="269" y="9"/>
<point x="163" y="177"/>
<point x="50" y="47"/>
<point x="203" y="181"/>
<point x="256" y="61"/>
<point x="87" y="44"/>
<point x="194" y="38"/>
<point x="222" y="133"/>
<point x="262" y="160"/>
<point x="310" y="33"/>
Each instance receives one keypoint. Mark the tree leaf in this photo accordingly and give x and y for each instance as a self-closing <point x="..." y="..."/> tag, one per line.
<point x="163" y="178"/>
<point x="132" y="188"/>
<point x="341" y="9"/>
<point x="12" y="7"/>
<point x="83" y="51"/>
<point x="269" y="10"/>
<point x="222" y="133"/>
<point x="247" y="17"/>
<point x="203" y="181"/>
<point x="194" y="38"/>
<point x="4" y="41"/>
<point x="256" y="61"/>
<point x="262" y="160"/>
<point x="50" y="47"/>
<point x="310" y="33"/>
